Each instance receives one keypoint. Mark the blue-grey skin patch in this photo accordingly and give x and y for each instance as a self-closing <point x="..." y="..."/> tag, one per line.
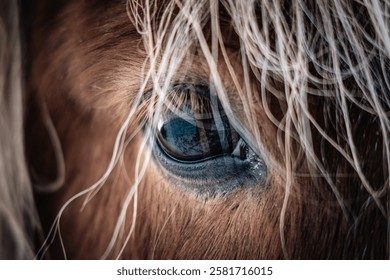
<point x="215" y="176"/>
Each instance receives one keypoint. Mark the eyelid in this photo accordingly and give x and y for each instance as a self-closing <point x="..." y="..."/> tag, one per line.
<point x="177" y="99"/>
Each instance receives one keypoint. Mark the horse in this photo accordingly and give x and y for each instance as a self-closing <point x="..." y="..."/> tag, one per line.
<point x="183" y="129"/>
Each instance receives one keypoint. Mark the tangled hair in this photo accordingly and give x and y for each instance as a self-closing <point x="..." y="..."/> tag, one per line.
<point x="18" y="216"/>
<point x="305" y="83"/>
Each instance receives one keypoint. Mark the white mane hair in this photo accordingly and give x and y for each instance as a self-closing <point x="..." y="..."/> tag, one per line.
<point x="331" y="53"/>
<point x="19" y="221"/>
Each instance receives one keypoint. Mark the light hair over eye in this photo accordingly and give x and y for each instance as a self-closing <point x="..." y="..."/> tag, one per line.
<point x="303" y="87"/>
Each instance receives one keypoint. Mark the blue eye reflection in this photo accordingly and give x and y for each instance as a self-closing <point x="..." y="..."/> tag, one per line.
<point x="197" y="140"/>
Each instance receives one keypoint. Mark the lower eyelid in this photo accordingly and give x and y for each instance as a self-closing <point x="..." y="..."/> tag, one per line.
<point x="217" y="176"/>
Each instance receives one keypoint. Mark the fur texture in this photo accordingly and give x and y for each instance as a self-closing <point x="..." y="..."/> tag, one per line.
<point x="306" y="82"/>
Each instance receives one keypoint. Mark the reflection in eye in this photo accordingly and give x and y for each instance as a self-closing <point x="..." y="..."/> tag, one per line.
<point x="196" y="133"/>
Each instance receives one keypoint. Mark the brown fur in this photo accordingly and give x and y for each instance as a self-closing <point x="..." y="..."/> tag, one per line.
<point x="85" y="66"/>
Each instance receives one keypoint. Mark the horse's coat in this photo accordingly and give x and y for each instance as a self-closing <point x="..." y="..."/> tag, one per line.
<point x="305" y="84"/>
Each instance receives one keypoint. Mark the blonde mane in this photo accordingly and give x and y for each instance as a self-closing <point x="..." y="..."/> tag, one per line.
<point x="323" y="65"/>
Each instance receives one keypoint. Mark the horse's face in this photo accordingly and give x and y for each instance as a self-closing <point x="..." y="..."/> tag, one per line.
<point x="180" y="154"/>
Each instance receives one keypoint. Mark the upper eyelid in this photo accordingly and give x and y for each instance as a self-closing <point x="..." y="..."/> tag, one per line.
<point x="180" y="90"/>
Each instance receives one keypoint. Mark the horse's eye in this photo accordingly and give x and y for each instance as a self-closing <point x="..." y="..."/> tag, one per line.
<point x="196" y="137"/>
<point x="198" y="149"/>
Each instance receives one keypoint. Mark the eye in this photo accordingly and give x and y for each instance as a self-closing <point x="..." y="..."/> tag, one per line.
<point x="197" y="147"/>
<point x="196" y="135"/>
